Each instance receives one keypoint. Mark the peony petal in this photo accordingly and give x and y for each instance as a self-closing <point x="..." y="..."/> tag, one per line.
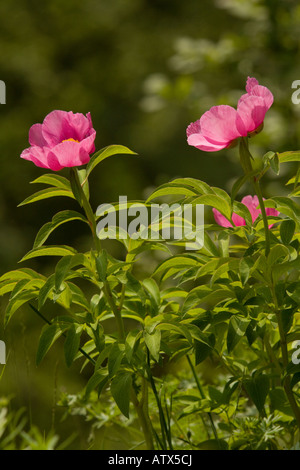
<point x="89" y="118"/>
<point x="62" y="125"/>
<point x="56" y="128"/>
<point x="87" y="144"/>
<point x="220" y="219"/>
<point x="218" y="125"/>
<point x="68" y="154"/>
<point x="272" y="212"/>
<point x="252" y="203"/>
<point x="251" y="83"/>
<point x="63" y="140"/>
<point x="254" y="89"/>
<point x="264" y="93"/>
<point x="251" y="112"/>
<point x="237" y="220"/>
<point x="80" y="124"/>
<point x="193" y="128"/>
<point x="198" y="141"/>
<point x="37" y="155"/>
<point x="36" y="136"/>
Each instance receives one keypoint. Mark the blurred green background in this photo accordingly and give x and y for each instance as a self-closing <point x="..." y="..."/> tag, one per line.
<point x="144" y="69"/>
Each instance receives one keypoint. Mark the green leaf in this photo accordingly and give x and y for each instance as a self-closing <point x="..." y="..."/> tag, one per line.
<point x="101" y="265"/>
<point x="200" y="187"/>
<point x="153" y="343"/>
<point x="54" y="180"/>
<point x="72" y="344"/>
<point x="295" y="379"/>
<point x="115" y="357"/>
<point x="50" y="333"/>
<point x="22" y="273"/>
<point x="45" y="194"/>
<point x="135" y="286"/>
<point x="257" y="388"/>
<point x="45" y="290"/>
<point x="279" y="401"/>
<point x="78" y="296"/>
<point x="286" y="157"/>
<point x="174" y="325"/>
<point x="76" y="186"/>
<point x="210" y="246"/>
<point x="84" y="182"/>
<point x="177" y="262"/>
<point x="121" y="390"/>
<point x="20" y="285"/>
<point x="285" y="205"/>
<point x="59" y="219"/>
<point x="7" y="286"/>
<point x="278" y="253"/>
<point x="204" y="295"/>
<point x="64" y="266"/>
<point x="287" y="230"/>
<point x="213" y="444"/>
<point x="170" y="189"/>
<point x="54" y="250"/>
<point x="20" y="300"/>
<point x="130" y="342"/>
<point x="245" y="266"/>
<point x="202" y="351"/>
<point x="98" y="335"/>
<point x="229" y="389"/>
<point x="267" y="156"/>
<point x="243" y="211"/>
<point x="236" y="330"/>
<point x="218" y="202"/>
<point x="106" y="153"/>
<point x="99" y="379"/>
<point x="21" y="290"/>
<point x="153" y="289"/>
<point x="275" y="163"/>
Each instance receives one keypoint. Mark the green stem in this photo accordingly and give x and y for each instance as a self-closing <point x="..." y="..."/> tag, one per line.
<point x="115" y="310"/>
<point x="285" y="360"/>
<point x="272" y="357"/>
<point x="264" y="214"/>
<point x="140" y="409"/>
<point x="246" y="157"/>
<point x="106" y="287"/>
<point x="163" y="423"/>
<point x="194" y="372"/>
<point x="286" y="379"/>
<point x="144" y="422"/>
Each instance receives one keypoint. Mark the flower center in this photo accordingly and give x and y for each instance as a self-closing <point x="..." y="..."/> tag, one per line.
<point x="70" y="140"/>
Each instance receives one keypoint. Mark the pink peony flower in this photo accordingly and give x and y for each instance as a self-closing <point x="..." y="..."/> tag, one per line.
<point x="63" y="140"/>
<point x="251" y="202"/>
<point x="219" y="127"/>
